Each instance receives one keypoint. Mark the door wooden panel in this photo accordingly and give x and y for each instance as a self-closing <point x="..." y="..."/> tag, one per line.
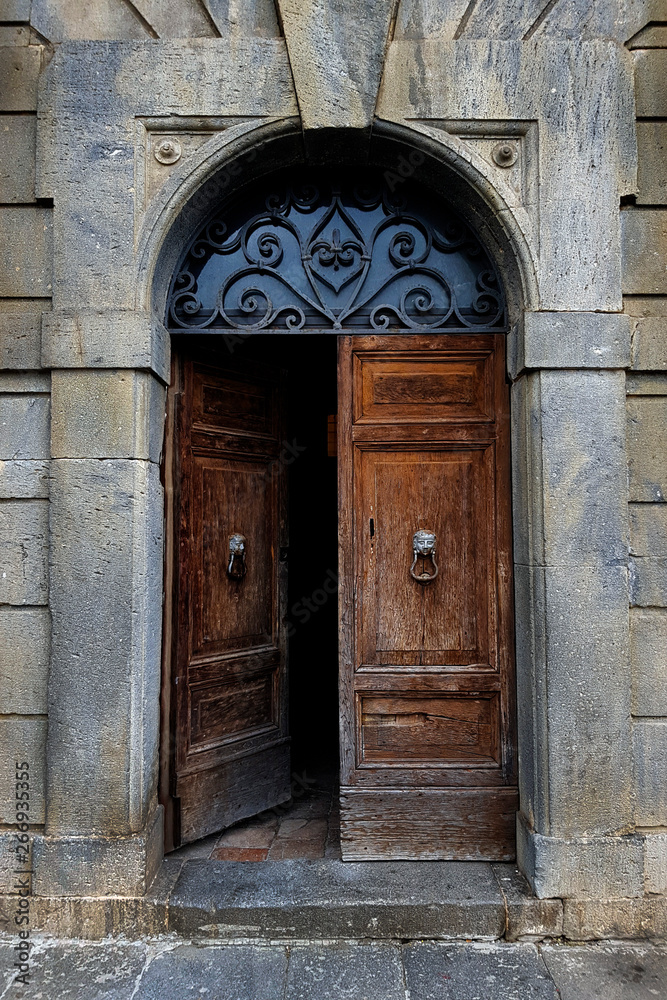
<point x="448" y="491"/>
<point x="445" y="729"/>
<point x="393" y="386"/>
<point x="227" y="694"/>
<point x="427" y="675"/>
<point x="235" y="614"/>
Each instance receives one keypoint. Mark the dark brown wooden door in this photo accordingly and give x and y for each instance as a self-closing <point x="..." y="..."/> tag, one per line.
<point x="427" y="677"/>
<point x="227" y="694"/>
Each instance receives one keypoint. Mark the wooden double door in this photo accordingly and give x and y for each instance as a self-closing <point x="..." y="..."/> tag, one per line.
<point x="426" y="679"/>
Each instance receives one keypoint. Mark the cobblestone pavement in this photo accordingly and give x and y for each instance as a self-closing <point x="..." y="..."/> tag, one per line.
<point x="173" y="970"/>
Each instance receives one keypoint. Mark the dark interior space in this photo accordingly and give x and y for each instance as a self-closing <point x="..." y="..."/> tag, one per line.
<point x="310" y="364"/>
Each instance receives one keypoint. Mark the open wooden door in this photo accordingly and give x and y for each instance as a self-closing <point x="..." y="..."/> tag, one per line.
<point x="426" y="623"/>
<point x="224" y="705"/>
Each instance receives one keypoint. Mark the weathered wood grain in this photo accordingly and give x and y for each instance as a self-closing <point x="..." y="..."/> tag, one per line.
<point x="426" y="673"/>
<point x="225" y="684"/>
<point x="434" y="824"/>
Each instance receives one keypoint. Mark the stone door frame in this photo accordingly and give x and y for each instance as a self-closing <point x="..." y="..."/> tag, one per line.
<point x="110" y="367"/>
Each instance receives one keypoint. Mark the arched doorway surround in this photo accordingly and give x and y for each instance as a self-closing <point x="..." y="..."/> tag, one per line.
<point x="373" y="253"/>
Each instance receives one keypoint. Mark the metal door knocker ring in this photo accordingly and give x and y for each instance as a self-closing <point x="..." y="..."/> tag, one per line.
<point x="236" y="568"/>
<point x="423" y="545"/>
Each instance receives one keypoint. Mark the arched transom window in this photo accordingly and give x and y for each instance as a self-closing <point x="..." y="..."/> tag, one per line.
<point x="310" y="251"/>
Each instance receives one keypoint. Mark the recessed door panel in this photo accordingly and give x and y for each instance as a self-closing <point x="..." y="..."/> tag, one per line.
<point x="394" y="387"/>
<point x="234" y="495"/>
<point x="442" y="730"/>
<point x="445" y="490"/>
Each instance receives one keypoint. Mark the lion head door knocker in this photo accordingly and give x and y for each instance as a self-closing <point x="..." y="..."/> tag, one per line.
<point x="423" y="547"/>
<point x="236" y="568"/>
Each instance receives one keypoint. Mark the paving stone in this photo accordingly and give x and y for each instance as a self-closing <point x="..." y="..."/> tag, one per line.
<point x="324" y="899"/>
<point x="313" y="807"/>
<point x="302" y="828"/>
<point x="7" y="957"/>
<point x="199" y="849"/>
<point x="105" y="971"/>
<point x="282" y="850"/>
<point x="237" y="972"/>
<point x="604" y="972"/>
<point x="472" y="972"/>
<point x="252" y="834"/>
<point x="338" y="971"/>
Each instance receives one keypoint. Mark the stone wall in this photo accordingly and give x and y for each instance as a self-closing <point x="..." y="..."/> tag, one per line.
<point x="88" y="205"/>
<point x="25" y="292"/>
<point x="645" y="299"/>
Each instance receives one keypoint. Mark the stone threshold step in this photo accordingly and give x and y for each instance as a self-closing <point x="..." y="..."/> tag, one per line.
<point x="199" y="899"/>
<point x="400" y="900"/>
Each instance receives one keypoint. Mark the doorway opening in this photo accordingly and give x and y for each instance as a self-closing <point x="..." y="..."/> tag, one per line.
<point x="306" y="825"/>
<point x="416" y="321"/>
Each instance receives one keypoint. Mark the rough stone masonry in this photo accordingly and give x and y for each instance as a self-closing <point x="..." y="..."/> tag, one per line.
<point x="94" y="208"/>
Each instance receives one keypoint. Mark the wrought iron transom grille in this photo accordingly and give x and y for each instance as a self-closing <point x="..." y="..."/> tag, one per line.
<point x="321" y="253"/>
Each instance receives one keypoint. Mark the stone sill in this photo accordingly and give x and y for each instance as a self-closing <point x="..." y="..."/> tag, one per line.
<point x="321" y="900"/>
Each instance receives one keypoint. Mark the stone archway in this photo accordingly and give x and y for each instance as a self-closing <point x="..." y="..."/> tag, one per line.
<point x="268" y="260"/>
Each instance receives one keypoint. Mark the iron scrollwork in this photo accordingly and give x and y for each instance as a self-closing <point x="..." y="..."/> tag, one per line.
<point x="338" y="257"/>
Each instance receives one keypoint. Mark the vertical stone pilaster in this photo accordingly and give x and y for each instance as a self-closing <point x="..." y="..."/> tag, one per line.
<point x="103" y="827"/>
<point x="572" y="608"/>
